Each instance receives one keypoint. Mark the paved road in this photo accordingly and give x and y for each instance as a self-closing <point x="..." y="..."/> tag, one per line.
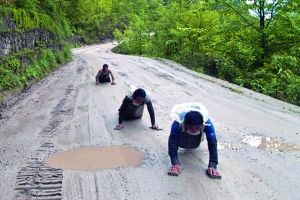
<point x="259" y="137"/>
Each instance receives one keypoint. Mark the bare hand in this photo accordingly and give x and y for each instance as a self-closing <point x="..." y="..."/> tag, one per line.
<point x="119" y="127"/>
<point x="175" y="170"/>
<point x="213" y="173"/>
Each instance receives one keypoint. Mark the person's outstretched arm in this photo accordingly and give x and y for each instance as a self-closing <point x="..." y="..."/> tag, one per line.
<point x="112" y="78"/>
<point x="212" y="144"/>
<point x="122" y="109"/>
<point x="173" y="143"/>
<point x="97" y="76"/>
<point x="151" y="112"/>
<point x="125" y="103"/>
<point x="111" y="74"/>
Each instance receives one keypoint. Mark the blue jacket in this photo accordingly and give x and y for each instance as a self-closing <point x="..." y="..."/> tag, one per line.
<point x="175" y="142"/>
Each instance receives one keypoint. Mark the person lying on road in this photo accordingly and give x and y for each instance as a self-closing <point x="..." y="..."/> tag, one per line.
<point x="103" y="76"/>
<point x="133" y="107"/>
<point x="190" y="121"/>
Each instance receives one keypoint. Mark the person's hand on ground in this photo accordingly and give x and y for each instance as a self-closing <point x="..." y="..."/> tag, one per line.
<point x="119" y="127"/>
<point x="97" y="83"/>
<point x="213" y="173"/>
<point x="175" y="170"/>
<point x="113" y="83"/>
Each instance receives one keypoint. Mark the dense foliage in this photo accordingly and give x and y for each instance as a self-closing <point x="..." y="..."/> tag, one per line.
<point x="24" y="66"/>
<point x="255" y="44"/>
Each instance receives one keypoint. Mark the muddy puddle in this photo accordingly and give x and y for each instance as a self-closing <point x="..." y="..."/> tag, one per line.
<point x="268" y="143"/>
<point x="96" y="158"/>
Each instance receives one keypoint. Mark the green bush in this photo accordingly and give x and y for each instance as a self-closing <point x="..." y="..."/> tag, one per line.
<point x="227" y="71"/>
<point x="284" y="62"/>
<point x="14" y="74"/>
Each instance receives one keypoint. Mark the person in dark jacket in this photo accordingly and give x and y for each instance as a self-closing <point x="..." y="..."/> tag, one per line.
<point x="103" y="76"/>
<point x="188" y="134"/>
<point x="133" y="106"/>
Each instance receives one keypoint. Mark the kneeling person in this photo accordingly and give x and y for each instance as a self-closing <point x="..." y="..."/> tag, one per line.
<point x="103" y="76"/>
<point x="133" y="107"/>
<point x="187" y="132"/>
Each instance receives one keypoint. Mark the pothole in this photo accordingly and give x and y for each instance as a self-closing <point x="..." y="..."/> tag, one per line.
<point x="268" y="143"/>
<point x="95" y="158"/>
<point x="222" y="145"/>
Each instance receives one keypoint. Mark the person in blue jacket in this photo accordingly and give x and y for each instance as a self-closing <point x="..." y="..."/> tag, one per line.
<point x="187" y="133"/>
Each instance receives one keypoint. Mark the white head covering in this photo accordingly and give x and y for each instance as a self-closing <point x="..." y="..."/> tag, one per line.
<point x="179" y="111"/>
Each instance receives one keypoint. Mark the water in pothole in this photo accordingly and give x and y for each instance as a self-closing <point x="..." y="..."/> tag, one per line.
<point x="96" y="158"/>
<point x="268" y="143"/>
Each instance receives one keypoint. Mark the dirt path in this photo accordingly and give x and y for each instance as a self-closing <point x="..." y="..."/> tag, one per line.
<point x="67" y="110"/>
